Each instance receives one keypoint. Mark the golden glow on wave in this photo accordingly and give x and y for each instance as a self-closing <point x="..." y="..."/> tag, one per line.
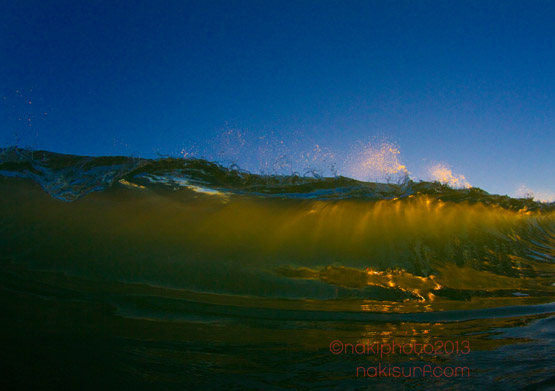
<point x="411" y="251"/>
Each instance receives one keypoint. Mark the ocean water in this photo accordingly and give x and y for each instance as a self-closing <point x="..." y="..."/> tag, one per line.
<point x="183" y="274"/>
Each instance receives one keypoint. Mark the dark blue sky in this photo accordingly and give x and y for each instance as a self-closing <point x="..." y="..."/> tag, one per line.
<point x="469" y="85"/>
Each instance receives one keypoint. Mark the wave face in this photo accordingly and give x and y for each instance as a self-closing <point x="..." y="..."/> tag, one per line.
<point x="151" y="251"/>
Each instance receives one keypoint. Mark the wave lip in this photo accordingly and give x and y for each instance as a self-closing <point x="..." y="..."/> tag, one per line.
<point x="70" y="177"/>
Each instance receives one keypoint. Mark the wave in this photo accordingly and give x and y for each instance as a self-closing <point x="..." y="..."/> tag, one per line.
<point x="71" y="177"/>
<point x="222" y="235"/>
